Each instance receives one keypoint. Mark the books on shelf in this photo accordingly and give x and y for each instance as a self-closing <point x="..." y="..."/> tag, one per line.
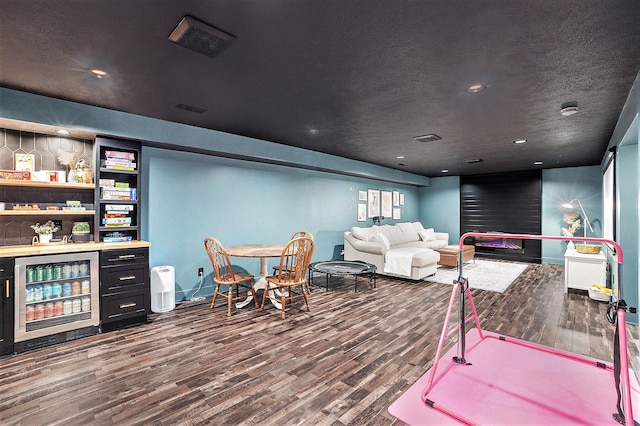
<point x="119" y="160"/>
<point x="118" y="193"/>
<point x="116" y="237"/>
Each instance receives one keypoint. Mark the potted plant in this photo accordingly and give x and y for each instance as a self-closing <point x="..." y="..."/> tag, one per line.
<point x="45" y="231"/>
<point x="80" y="233"/>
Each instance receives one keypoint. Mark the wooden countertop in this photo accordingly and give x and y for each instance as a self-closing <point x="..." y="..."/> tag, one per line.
<point x="16" y="251"/>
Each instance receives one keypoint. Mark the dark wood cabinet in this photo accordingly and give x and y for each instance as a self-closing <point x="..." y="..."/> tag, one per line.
<point x="117" y="216"/>
<point x="124" y="288"/>
<point x="6" y="306"/>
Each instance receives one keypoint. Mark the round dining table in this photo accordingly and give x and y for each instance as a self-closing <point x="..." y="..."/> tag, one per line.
<point x="264" y="252"/>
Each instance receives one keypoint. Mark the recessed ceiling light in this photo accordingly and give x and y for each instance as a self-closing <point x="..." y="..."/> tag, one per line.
<point x="537" y="163"/>
<point x="400" y="157"/>
<point x="445" y="170"/>
<point x="519" y="141"/>
<point x="62" y="132"/>
<point x="475" y="88"/>
<point x="97" y="73"/>
<point x="313" y="131"/>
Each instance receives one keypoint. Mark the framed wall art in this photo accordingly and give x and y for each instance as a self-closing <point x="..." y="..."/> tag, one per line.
<point x="25" y="162"/>
<point x="373" y="201"/>
<point x="362" y="195"/>
<point x="396" y="198"/>
<point x="385" y="204"/>
<point x="397" y="213"/>
<point x="362" y="212"/>
<point x="402" y="199"/>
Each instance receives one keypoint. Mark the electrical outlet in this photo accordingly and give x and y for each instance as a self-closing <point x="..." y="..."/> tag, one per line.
<point x="200" y="271"/>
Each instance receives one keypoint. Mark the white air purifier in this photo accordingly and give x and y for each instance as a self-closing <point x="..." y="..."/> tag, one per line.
<point x="163" y="288"/>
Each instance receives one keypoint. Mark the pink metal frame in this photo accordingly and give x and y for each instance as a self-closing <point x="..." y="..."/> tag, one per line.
<point x="462" y="290"/>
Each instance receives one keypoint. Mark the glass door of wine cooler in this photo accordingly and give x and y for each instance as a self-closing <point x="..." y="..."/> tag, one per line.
<point x="56" y="294"/>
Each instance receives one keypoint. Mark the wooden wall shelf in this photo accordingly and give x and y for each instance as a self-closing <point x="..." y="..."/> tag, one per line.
<point x="43" y="212"/>
<point x="39" y="184"/>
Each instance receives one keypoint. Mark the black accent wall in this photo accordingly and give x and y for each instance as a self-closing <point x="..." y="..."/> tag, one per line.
<point x="503" y="202"/>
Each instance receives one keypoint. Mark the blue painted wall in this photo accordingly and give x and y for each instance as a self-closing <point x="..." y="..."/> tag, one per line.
<point x="440" y="206"/>
<point x="192" y="196"/>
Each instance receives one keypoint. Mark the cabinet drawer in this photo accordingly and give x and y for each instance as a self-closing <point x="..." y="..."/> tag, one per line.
<point x="112" y="258"/>
<point x="123" y="305"/>
<point x="119" y="279"/>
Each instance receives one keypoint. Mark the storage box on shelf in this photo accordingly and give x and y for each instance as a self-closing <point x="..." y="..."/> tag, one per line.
<point x="118" y="212"/>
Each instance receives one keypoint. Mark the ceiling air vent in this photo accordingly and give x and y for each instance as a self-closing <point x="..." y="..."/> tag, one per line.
<point x="431" y="137"/>
<point x="191" y="108"/>
<point x="201" y="38"/>
<point x="473" y="160"/>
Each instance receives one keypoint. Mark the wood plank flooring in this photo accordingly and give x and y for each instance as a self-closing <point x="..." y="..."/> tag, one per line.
<point x="342" y="364"/>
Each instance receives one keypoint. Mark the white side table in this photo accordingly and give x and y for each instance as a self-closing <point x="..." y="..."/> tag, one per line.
<point x="582" y="270"/>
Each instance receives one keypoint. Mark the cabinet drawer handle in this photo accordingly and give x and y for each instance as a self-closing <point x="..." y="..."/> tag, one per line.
<point x="127" y="278"/>
<point x="7" y="286"/>
<point x="126" y="256"/>
<point x="127" y="305"/>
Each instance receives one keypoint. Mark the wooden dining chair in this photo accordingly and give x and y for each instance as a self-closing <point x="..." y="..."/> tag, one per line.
<point x="297" y="234"/>
<point x="224" y="275"/>
<point x="289" y="281"/>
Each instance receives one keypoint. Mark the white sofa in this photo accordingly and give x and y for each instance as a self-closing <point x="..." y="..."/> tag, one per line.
<point x="405" y="249"/>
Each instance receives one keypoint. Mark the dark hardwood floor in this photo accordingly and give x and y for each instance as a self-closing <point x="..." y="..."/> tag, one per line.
<point x="342" y="364"/>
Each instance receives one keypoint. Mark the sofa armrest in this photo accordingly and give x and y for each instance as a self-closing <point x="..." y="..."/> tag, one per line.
<point x="372" y="247"/>
<point x="442" y="236"/>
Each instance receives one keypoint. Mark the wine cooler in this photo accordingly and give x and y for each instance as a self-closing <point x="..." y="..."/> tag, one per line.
<point x="56" y="299"/>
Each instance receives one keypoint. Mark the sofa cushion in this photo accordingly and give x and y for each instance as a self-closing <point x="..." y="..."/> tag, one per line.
<point x="425" y="258"/>
<point x="365" y="234"/>
<point x="417" y="226"/>
<point x="427" y="234"/>
<point x="395" y="235"/>
<point x="380" y="237"/>
<point x="409" y="231"/>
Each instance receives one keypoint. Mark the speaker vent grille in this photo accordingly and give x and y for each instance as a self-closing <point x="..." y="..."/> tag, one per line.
<point x="200" y="37"/>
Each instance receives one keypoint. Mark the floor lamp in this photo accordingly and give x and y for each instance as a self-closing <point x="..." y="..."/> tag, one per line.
<point x="570" y="205"/>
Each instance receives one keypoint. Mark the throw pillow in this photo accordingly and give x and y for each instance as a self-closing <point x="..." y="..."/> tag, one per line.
<point x="384" y="240"/>
<point x="427" y="234"/>
<point x="360" y="233"/>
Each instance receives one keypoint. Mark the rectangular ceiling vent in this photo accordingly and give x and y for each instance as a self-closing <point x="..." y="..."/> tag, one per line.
<point x="201" y="38"/>
<point x="473" y="160"/>
<point x="191" y="108"/>
<point x="431" y="137"/>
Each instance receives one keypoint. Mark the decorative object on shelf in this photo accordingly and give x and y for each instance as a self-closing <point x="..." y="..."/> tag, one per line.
<point x="80" y="233"/>
<point x="24" y="162"/>
<point x="26" y="207"/>
<point x="14" y="175"/>
<point x="44" y="231"/>
<point x="588" y="248"/>
<point x="83" y="172"/>
<point x="68" y="159"/>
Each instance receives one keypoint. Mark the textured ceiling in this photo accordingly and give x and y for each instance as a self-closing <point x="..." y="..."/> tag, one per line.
<point x="358" y="79"/>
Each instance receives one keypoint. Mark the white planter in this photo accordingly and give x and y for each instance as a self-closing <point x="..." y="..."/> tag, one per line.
<point x="44" y="238"/>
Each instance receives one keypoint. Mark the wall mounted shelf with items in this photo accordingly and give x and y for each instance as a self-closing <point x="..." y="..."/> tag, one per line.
<point x="118" y="180"/>
<point x="25" y="202"/>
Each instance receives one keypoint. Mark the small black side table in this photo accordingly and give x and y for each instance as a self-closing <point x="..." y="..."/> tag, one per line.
<point x="344" y="268"/>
